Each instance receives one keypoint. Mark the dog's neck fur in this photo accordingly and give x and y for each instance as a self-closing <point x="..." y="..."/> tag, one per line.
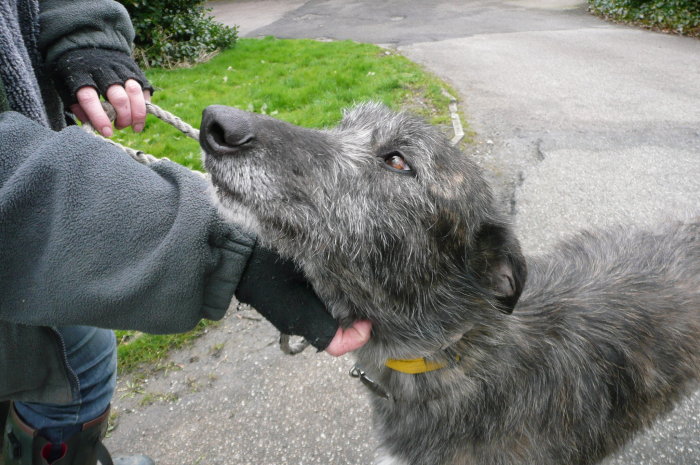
<point x="464" y="358"/>
<point x="522" y="339"/>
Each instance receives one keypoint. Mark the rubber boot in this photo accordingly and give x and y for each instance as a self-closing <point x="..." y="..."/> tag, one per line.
<point x="23" y="445"/>
<point x="4" y="410"/>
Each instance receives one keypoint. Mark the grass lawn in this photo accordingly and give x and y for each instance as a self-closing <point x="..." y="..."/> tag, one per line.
<point x="304" y="82"/>
<point x="135" y="349"/>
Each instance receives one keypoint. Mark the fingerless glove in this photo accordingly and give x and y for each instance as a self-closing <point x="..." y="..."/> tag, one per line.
<point x="94" y="67"/>
<point x="278" y="290"/>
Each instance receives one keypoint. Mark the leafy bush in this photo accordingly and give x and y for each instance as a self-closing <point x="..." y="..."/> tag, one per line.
<point x="172" y="33"/>
<point x="680" y="16"/>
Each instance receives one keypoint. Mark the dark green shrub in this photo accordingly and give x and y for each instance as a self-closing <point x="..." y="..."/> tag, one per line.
<point x="172" y="33"/>
<point x="680" y="16"/>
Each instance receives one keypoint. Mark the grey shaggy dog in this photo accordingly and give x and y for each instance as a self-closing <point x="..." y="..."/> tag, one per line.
<point x="393" y="224"/>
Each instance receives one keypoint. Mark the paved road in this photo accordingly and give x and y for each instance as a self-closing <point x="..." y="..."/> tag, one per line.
<point x="580" y="123"/>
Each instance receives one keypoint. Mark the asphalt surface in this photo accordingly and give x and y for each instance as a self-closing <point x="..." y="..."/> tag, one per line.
<point x="579" y="122"/>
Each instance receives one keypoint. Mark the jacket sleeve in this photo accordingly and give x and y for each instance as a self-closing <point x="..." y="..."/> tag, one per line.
<point x="90" y="237"/>
<point x="71" y="24"/>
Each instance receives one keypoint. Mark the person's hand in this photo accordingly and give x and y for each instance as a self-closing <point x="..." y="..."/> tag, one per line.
<point x="279" y="291"/>
<point x="349" y="339"/>
<point x="82" y="75"/>
<point x="129" y="102"/>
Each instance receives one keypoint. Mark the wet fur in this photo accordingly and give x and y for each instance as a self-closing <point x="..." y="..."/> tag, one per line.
<point x="604" y="338"/>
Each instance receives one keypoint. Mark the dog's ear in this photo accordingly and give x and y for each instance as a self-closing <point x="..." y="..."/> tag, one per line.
<point x="499" y="264"/>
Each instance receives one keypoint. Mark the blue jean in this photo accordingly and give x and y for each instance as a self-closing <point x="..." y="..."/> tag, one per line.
<point x="91" y="354"/>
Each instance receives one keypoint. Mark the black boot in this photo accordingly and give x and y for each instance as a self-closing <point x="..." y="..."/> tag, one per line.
<point x="23" y="445"/>
<point x="4" y="410"/>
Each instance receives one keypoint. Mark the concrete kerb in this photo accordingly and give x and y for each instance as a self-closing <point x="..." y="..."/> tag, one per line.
<point x="456" y="121"/>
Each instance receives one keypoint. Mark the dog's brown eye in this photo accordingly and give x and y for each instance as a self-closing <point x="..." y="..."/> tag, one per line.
<point x="395" y="162"/>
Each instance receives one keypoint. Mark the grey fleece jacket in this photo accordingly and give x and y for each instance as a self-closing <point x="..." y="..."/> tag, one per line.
<point x="165" y="261"/>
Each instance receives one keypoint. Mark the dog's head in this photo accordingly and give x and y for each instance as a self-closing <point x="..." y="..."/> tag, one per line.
<point x="387" y="219"/>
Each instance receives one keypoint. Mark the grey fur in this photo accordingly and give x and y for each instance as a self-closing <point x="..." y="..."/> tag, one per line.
<point x="604" y="338"/>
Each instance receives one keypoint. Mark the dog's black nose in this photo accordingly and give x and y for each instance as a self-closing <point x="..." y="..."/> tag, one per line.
<point x="225" y="130"/>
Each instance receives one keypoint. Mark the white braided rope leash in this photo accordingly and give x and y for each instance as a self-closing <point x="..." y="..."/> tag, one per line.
<point x="139" y="155"/>
<point x="173" y="120"/>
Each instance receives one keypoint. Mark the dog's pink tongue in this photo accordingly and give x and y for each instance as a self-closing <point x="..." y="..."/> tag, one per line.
<point x="349" y="339"/>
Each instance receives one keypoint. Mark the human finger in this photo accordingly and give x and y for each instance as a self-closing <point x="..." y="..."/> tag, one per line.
<point x="79" y="113"/>
<point x="89" y="102"/>
<point x="117" y="96"/>
<point x="349" y="339"/>
<point x="137" y="100"/>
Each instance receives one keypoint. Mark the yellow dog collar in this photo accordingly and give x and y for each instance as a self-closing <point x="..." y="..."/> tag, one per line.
<point x="413" y="366"/>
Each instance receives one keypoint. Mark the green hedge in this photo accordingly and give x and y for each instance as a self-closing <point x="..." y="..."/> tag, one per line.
<point x="171" y="33"/>
<point x="679" y="16"/>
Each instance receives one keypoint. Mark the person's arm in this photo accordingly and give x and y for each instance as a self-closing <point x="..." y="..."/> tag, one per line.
<point x="86" y="45"/>
<point x="90" y="237"/>
<point x="67" y="25"/>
